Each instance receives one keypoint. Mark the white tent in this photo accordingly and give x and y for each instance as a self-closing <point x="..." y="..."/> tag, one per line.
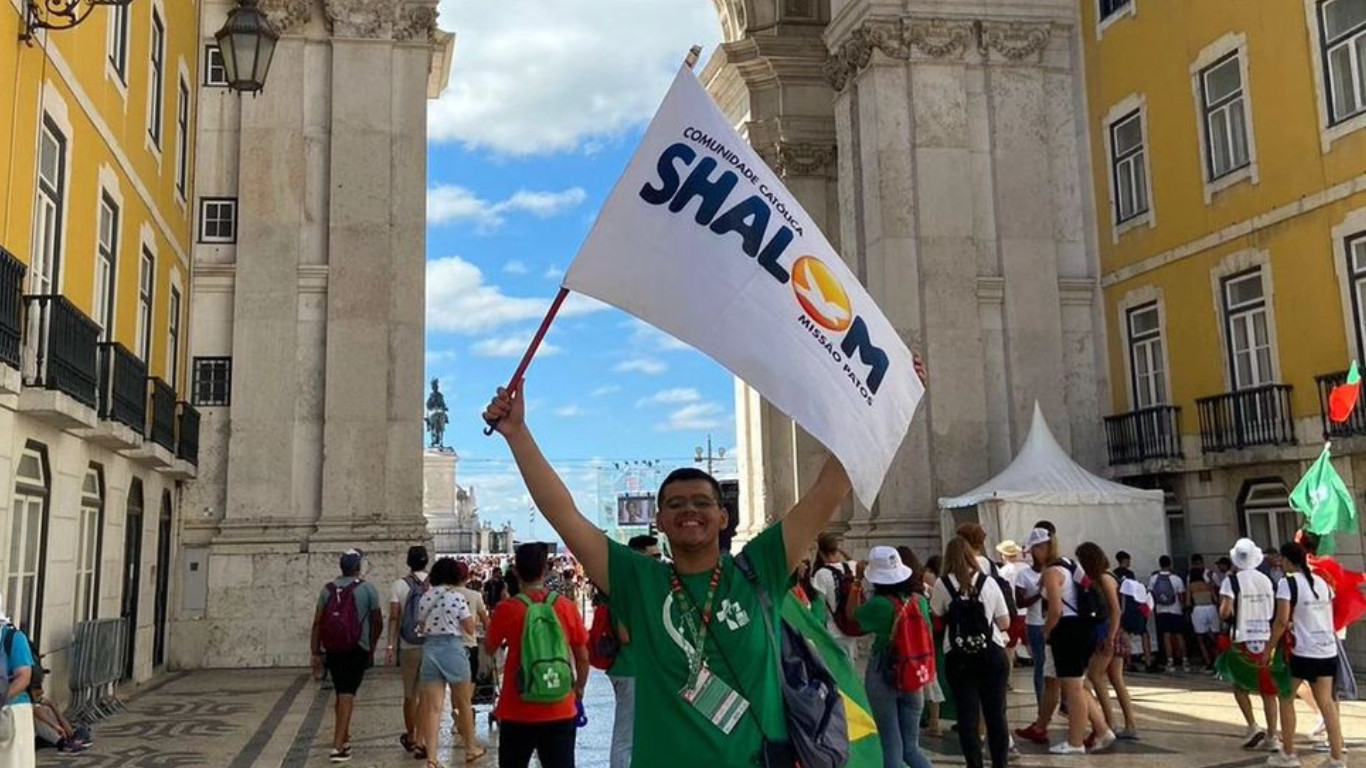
<point x="1044" y="483"/>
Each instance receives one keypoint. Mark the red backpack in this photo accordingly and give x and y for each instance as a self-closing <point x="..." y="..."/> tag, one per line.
<point x="603" y="644"/>
<point x="341" y="621"/>
<point x="911" y="647"/>
<point x="843" y="609"/>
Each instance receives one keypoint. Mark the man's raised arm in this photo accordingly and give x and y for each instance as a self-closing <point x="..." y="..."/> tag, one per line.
<point x="552" y="498"/>
<point x="813" y="510"/>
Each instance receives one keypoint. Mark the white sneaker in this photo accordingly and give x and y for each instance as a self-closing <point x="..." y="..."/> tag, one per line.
<point x="1273" y="744"/>
<point x="1280" y="759"/>
<point x="1104" y="743"/>
<point x="1335" y="764"/>
<point x="1320" y="728"/>
<point x="1255" y="737"/>
<point x="1063" y="748"/>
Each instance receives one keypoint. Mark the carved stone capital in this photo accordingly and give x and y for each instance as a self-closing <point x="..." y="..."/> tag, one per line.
<point x="938" y="38"/>
<point x="287" y="15"/>
<point x="1014" y="40"/>
<point x="800" y="158"/>
<point x="360" y="18"/>
<point x="415" y="22"/>
<point x="857" y="52"/>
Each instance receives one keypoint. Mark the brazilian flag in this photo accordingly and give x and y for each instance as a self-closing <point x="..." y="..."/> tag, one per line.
<point x="865" y="749"/>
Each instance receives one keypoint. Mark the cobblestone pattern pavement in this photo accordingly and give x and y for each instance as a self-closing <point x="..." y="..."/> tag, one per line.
<point x="283" y="719"/>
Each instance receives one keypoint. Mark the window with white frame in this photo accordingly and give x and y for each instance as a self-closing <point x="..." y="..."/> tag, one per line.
<point x="89" y="542"/>
<point x="173" y="337"/>
<point x="49" y="209"/>
<point x="215" y="71"/>
<point x="218" y="220"/>
<point x="1128" y="161"/>
<point x="146" y="281"/>
<point x="1225" y="116"/>
<point x="156" y="79"/>
<point x="1145" y="356"/>
<point x="1356" y="263"/>
<point x="1249" y="339"/>
<point x="1342" y="32"/>
<point x="182" y="138"/>
<point x="106" y="263"/>
<point x="25" y="564"/>
<point x="1109" y="8"/>
<point x="118" y="40"/>
<point x="1267" y="516"/>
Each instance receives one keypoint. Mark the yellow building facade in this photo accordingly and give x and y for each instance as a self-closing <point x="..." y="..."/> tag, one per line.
<point x="1228" y="146"/>
<point x="97" y="209"/>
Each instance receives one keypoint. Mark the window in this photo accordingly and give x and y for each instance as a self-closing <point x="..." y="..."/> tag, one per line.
<point x="49" y="209"/>
<point x="173" y="336"/>
<point x="1248" y="339"/>
<point x="1267" y="516"/>
<point x="1129" y="162"/>
<point x="182" y="139"/>
<point x="106" y="261"/>
<point x="156" y="80"/>
<point x="215" y="71"/>
<point x="212" y="381"/>
<point x="118" y="41"/>
<point x="1109" y="8"/>
<point x="1145" y="356"/>
<point x="1342" y="28"/>
<point x="1225" y="116"/>
<point x="146" y="275"/>
<point x="1356" y="264"/>
<point x="26" y="562"/>
<point x="218" y="220"/>
<point x="89" y="542"/>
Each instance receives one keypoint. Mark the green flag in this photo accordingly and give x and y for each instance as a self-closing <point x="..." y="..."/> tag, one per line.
<point x="1325" y="502"/>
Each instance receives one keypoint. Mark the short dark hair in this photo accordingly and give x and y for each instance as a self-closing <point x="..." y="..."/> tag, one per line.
<point x="1164" y="562"/>
<point x="642" y="543"/>
<point x="684" y="474"/>
<point x="1122" y="556"/>
<point x="1047" y="526"/>
<point x="530" y="560"/>
<point x="1309" y="541"/>
<point x="417" y="558"/>
<point x="445" y="572"/>
<point x="1198" y="558"/>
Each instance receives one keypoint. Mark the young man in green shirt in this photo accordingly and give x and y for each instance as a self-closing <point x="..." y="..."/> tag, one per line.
<point x="706" y="672"/>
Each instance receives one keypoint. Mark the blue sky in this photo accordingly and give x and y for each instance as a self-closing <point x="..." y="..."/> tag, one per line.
<point x="546" y="104"/>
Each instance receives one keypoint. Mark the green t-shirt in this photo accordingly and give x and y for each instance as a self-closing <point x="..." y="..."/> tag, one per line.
<point x="668" y="731"/>
<point x="367" y="600"/>
<point x="878" y="614"/>
<point x="623" y="666"/>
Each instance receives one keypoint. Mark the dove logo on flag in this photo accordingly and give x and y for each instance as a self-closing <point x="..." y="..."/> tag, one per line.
<point x="821" y="295"/>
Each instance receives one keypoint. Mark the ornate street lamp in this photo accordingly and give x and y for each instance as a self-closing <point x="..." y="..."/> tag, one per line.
<point x="247" y="42"/>
<point x="59" y="14"/>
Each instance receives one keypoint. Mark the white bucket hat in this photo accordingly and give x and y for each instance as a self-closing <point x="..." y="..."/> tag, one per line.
<point x="1038" y="536"/>
<point x="885" y="567"/>
<point x="1246" y="555"/>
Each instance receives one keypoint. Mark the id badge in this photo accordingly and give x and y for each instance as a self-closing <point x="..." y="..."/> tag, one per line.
<point x="715" y="700"/>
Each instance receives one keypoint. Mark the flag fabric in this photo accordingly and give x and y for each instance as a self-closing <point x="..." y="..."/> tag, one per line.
<point x="865" y="748"/>
<point x="1264" y="673"/>
<point x="1349" y="604"/>
<point x="1343" y="399"/>
<point x="1325" y="502"/>
<point x="700" y="239"/>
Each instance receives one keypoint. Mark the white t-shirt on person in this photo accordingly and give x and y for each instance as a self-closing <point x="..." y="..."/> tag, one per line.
<point x="1070" y="580"/>
<point x="1255" y="605"/>
<point x="476" y="604"/>
<point x="1311" y="615"/>
<point x="1178" y="586"/>
<point x="1030" y="582"/>
<point x="1011" y="572"/>
<point x="399" y="594"/>
<point x="441" y="612"/>
<point x="992" y="601"/>
<point x="827" y="585"/>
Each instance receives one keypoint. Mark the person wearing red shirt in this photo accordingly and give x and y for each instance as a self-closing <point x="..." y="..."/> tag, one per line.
<point x="548" y="730"/>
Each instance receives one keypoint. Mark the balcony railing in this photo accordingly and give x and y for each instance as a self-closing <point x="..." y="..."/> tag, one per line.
<point x="187" y="438"/>
<point x="161" y="406"/>
<point x="11" y="309"/>
<point x="123" y="387"/>
<point x="63" y="348"/>
<point x="1355" y="425"/>
<point x="1150" y="433"/>
<point x="1248" y="417"/>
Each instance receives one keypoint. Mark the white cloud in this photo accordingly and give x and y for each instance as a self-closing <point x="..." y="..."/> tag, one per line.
<point x="553" y="273"/>
<point x="510" y="346"/>
<point x="646" y="365"/>
<point x="670" y="396"/>
<point x="533" y="77"/>
<point x="447" y="203"/>
<point x="459" y="301"/>
<point x="696" y="416"/>
<point x="605" y="391"/>
<point x="569" y="411"/>
<point x="514" y="267"/>
<point x="435" y="356"/>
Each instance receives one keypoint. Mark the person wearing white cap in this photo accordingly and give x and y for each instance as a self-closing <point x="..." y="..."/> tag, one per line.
<point x="895" y="711"/>
<point x="1248" y="600"/>
<point x="17" y="748"/>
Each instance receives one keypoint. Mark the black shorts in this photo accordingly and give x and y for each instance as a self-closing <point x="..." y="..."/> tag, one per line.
<point x="1309" y="670"/>
<point x="348" y="670"/>
<point x="474" y="663"/>
<point x="1073" y="641"/>
<point x="1170" y="623"/>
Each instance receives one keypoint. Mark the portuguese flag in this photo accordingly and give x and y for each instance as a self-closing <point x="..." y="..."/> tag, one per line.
<point x="865" y="749"/>
<point x="1343" y="399"/>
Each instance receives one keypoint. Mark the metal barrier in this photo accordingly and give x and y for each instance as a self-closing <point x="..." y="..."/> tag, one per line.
<point x="97" y="664"/>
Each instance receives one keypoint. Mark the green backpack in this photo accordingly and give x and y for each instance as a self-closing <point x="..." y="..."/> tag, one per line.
<point x="546" y="676"/>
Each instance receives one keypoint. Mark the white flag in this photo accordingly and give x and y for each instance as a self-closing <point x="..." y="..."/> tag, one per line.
<point x="700" y="239"/>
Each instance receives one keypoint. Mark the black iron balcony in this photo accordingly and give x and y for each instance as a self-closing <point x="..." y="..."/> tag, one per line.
<point x="123" y="387"/>
<point x="187" y="442"/>
<point x="11" y="309"/>
<point x="162" y="409"/>
<point x="63" y="343"/>
<point x="1143" y="435"/>
<point x="1246" y="418"/>
<point x="1354" y="426"/>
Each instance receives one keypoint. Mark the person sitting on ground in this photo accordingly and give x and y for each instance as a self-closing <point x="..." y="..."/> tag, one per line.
<point x="52" y="728"/>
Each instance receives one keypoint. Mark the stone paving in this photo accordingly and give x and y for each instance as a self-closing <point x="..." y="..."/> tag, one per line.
<point x="282" y="719"/>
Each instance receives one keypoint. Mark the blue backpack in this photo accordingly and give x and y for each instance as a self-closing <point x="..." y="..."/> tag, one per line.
<point x="408" y="629"/>
<point x="6" y="641"/>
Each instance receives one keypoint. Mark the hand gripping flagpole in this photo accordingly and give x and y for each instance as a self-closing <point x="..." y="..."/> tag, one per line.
<point x="520" y="373"/>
